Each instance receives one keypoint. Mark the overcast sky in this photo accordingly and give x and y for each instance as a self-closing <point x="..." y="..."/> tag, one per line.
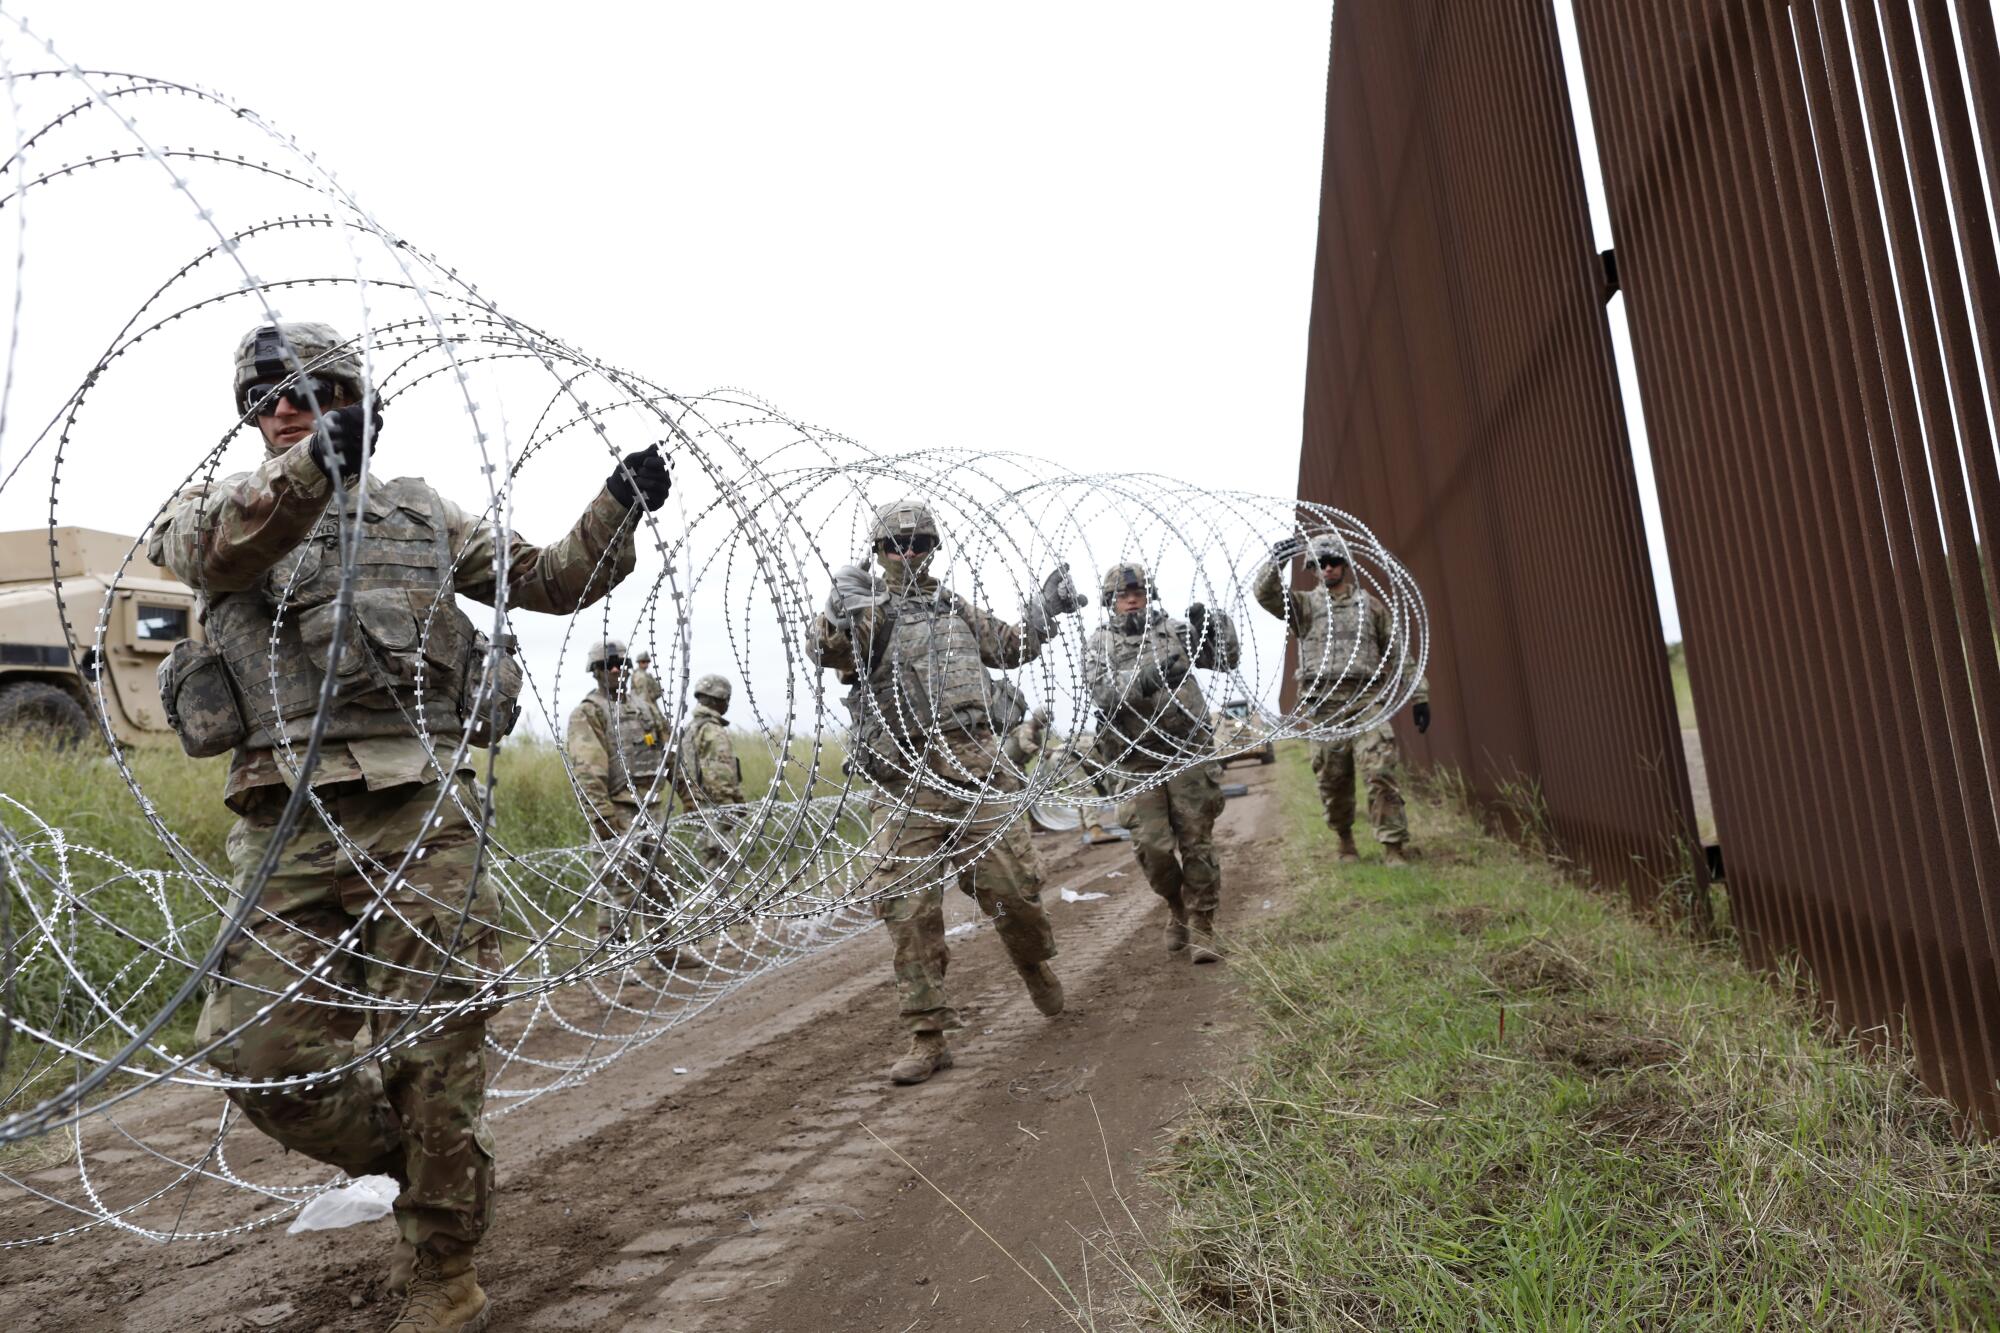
<point x="1078" y="230"/>
<point x="1081" y="231"/>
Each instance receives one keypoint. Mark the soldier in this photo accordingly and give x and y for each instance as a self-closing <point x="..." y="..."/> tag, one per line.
<point x="1024" y="743"/>
<point x="1140" y="670"/>
<point x="706" y="774"/>
<point x="915" y="654"/>
<point x="645" y="684"/>
<point x="1344" y="645"/>
<point x="264" y="549"/>
<point x="617" y="747"/>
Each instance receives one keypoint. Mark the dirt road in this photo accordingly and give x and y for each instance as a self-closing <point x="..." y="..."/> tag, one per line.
<point x="775" y="1185"/>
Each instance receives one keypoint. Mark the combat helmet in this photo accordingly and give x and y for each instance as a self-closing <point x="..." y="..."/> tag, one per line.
<point x="602" y="652"/>
<point x="1125" y="574"/>
<point x="1327" y="545"/>
<point x="1041" y="717"/>
<point x="713" y="687"/>
<point x="279" y="351"/>
<point x="907" y="517"/>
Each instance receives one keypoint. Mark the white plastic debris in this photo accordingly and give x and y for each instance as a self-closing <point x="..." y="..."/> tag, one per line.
<point x="1114" y="874"/>
<point x="357" y="1201"/>
<point x="1070" y="895"/>
<point x="680" y="1069"/>
<point x="964" y="929"/>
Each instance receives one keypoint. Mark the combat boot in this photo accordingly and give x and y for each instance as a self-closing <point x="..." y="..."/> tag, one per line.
<point x="1393" y="854"/>
<point x="444" y="1297"/>
<point x="1177" y="929"/>
<point x="1348" y="851"/>
<point x="1044" y="988"/>
<point x="926" y="1056"/>
<point x="1202" y="947"/>
<point x="402" y="1261"/>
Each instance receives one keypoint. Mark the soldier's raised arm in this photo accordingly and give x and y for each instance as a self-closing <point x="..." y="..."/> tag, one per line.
<point x="222" y="537"/>
<point x="842" y="633"/>
<point x="1270" y="591"/>
<point x="1003" y="645"/>
<point x="589" y="561"/>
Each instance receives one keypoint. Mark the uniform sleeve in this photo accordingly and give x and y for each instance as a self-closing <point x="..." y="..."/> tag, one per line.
<point x="832" y="647"/>
<point x="1271" y="594"/>
<point x="592" y="559"/>
<point x="589" y="747"/>
<point x="1001" y="645"/>
<point x="1176" y="661"/>
<point x="222" y="537"/>
<point x="718" y="765"/>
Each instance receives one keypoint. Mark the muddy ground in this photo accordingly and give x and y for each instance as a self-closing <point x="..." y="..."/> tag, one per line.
<point x="779" y="1184"/>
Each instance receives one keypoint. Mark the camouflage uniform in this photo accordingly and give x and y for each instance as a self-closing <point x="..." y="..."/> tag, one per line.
<point x="646" y="686"/>
<point x="1024" y="744"/>
<point x="917" y="821"/>
<point x="1344" y="638"/>
<point x="1141" y="679"/>
<point x="708" y="778"/>
<point x="250" y="544"/>
<point x="616" y="748"/>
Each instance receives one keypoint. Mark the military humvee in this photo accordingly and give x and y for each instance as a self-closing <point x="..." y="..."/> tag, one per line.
<point x="1237" y="724"/>
<point x="41" y="688"/>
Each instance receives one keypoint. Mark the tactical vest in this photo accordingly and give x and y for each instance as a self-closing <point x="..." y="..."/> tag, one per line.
<point x="637" y="745"/>
<point x="409" y="657"/>
<point x="1149" y="735"/>
<point x="1338" y="643"/>
<point x="923" y="676"/>
<point x="929" y="675"/>
<point x="694" y="740"/>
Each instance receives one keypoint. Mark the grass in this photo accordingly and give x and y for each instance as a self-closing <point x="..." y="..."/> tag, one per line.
<point x="1483" y="1099"/>
<point x="129" y="897"/>
<point x="1677" y="667"/>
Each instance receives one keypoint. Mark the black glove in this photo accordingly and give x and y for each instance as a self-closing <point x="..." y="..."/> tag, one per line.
<point x="1289" y="547"/>
<point x="336" y="438"/>
<point x="1422" y="714"/>
<point x="1197" y="623"/>
<point x="641" y="475"/>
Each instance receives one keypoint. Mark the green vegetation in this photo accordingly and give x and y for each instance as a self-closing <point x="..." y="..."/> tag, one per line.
<point x="1484" y="1099"/>
<point x="131" y="896"/>
<point x="1677" y="667"/>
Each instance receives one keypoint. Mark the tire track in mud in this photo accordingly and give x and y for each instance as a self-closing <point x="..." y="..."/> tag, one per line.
<point x="746" y="1194"/>
<point x="748" y="1231"/>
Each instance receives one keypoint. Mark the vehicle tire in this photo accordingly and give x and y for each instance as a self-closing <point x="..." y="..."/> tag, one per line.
<point x="1270" y="755"/>
<point x="38" y="710"/>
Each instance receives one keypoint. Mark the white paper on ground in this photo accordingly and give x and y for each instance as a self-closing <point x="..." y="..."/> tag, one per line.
<point x="357" y="1201"/>
<point x="1072" y="896"/>
<point x="964" y="929"/>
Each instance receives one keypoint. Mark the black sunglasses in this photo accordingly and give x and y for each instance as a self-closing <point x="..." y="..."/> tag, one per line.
<point x="919" y="543"/>
<point x="1329" y="561"/>
<point x="307" y="394"/>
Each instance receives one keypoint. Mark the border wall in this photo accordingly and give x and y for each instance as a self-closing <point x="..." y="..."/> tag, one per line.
<point x="1800" y="204"/>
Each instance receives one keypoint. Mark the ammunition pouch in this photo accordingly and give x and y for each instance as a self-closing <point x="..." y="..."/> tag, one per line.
<point x="1008" y="707"/>
<point x="200" y="699"/>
